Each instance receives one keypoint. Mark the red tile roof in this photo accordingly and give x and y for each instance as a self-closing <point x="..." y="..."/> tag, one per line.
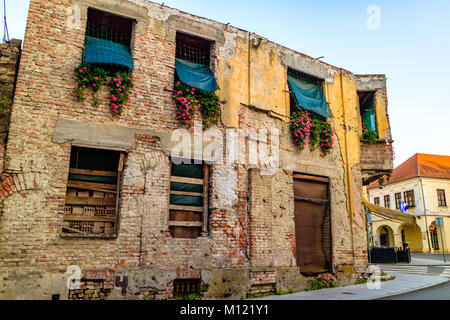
<point x="423" y="165"/>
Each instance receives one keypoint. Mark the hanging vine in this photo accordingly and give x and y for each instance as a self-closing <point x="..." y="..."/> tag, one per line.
<point x="90" y="77"/>
<point x="307" y="127"/>
<point x="189" y="101"/>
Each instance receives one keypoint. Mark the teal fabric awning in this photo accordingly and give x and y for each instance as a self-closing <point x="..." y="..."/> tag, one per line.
<point x="369" y="119"/>
<point x="107" y="52"/>
<point x="198" y="76"/>
<point x="309" y="97"/>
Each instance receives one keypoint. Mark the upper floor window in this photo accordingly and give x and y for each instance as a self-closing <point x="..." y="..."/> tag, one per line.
<point x="92" y="195"/>
<point x="409" y="198"/>
<point x="193" y="49"/>
<point x="108" y="41"/>
<point x="398" y="199"/>
<point x="442" y="200"/>
<point x="387" y="202"/>
<point x="189" y="196"/>
<point x="376" y="201"/>
<point x="306" y="92"/>
<point x="368" y="117"/>
<point x="193" y="62"/>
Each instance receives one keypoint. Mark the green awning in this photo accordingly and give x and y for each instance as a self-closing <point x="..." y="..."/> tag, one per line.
<point x="309" y="97"/>
<point x="198" y="76"/>
<point x="369" y="119"/>
<point x="107" y="52"/>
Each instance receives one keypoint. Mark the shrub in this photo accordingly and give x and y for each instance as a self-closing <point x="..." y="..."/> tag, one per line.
<point x="370" y="135"/>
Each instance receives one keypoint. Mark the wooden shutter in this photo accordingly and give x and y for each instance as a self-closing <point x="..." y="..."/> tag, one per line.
<point x="312" y="224"/>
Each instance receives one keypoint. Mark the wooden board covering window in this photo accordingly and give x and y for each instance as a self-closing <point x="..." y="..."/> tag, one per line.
<point x="189" y="221"/>
<point x="91" y="207"/>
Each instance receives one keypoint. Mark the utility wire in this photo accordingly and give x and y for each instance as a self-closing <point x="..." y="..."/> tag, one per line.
<point x="5" y="26"/>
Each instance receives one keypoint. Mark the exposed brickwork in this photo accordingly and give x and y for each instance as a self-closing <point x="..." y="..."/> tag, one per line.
<point x="19" y="182"/>
<point x="251" y="243"/>
<point x="9" y="63"/>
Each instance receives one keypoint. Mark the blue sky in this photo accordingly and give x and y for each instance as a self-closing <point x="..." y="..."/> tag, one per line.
<point x="412" y="47"/>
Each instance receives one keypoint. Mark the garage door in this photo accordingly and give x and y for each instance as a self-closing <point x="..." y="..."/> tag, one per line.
<point x="312" y="224"/>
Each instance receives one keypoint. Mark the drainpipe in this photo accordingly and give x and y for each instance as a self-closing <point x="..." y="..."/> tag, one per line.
<point x="249" y="101"/>
<point x="425" y="211"/>
<point x="347" y="173"/>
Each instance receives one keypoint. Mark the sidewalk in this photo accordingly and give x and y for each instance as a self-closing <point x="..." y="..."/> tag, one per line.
<point x="404" y="283"/>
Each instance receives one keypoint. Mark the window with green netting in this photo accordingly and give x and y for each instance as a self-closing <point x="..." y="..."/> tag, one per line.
<point x="108" y="41"/>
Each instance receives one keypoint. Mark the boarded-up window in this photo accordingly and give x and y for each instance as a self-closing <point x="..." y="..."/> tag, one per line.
<point x="189" y="209"/>
<point x="312" y="224"/>
<point x="92" y="196"/>
<point x="185" y="287"/>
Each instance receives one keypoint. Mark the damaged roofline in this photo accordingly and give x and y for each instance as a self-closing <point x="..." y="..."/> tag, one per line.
<point x="338" y="70"/>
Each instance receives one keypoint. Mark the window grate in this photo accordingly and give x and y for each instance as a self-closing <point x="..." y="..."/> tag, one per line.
<point x="193" y="49"/>
<point x="305" y="77"/>
<point x="107" y="26"/>
<point x="184" y="287"/>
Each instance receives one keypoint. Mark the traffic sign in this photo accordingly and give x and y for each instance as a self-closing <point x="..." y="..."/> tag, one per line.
<point x="432" y="228"/>
<point x="439" y="221"/>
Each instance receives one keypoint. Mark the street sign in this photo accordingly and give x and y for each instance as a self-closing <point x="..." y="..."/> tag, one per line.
<point x="439" y="221"/>
<point x="432" y="228"/>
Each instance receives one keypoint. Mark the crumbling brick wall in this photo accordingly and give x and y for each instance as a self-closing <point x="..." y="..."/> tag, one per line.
<point x="251" y="237"/>
<point x="9" y="63"/>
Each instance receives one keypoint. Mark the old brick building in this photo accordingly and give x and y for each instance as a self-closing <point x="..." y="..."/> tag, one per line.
<point x="85" y="188"/>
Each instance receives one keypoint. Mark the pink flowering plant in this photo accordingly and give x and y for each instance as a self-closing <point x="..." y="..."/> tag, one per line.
<point x="326" y="138"/>
<point x="307" y="127"/>
<point x="300" y="128"/>
<point x="189" y="101"/>
<point x="89" y="77"/>
<point x="122" y="85"/>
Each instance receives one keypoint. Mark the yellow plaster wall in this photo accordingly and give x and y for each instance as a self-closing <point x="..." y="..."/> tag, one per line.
<point x="233" y="81"/>
<point x="258" y="79"/>
<point x="256" y="76"/>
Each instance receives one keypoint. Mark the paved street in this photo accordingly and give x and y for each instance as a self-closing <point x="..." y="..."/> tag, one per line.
<point x="431" y="258"/>
<point x="443" y="271"/>
<point x="421" y="263"/>
<point x="441" y="292"/>
<point x="404" y="283"/>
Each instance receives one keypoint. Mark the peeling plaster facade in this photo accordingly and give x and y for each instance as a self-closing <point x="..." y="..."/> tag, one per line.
<point x="251" y="242"/>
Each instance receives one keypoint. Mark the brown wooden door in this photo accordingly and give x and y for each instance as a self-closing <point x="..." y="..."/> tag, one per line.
<point x="312" y="225"/>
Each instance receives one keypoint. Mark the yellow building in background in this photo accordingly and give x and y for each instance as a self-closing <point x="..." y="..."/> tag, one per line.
<point x="423" y="183"/>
